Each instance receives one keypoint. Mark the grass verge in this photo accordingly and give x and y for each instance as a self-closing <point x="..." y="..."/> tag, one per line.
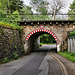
<point x="68" y="55"/>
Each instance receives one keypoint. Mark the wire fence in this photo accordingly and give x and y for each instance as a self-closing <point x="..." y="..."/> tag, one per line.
<point x="35" y="17"/>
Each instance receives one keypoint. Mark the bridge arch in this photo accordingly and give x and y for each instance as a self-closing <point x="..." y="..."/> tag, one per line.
<point x="41" y="30"/>
<point x="32" y="36"/>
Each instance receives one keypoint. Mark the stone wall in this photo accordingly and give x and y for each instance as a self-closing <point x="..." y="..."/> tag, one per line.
<point x="59" y="30"/>
<point x="32" y="44"/>
<point x="10" y="43"/>
<point x="64" y="44"/>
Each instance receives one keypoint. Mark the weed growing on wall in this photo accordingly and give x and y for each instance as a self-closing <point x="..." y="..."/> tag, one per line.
<point x="2" y="31"/>
<point x="5" y="60"/>
<point x="15" y="55"/>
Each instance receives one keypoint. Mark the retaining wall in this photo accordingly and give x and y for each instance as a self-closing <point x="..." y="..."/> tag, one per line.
<point x="10" y="43"/>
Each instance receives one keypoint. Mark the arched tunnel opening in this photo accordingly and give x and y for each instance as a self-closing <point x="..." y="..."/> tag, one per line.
<point x="48" y="42"/>
<point x="34" y="40"/>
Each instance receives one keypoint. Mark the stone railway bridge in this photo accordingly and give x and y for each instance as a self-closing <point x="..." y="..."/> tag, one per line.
<point x="33" y="29"/>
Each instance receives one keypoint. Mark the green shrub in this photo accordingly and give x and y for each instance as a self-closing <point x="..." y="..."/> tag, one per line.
<point x="15" y="55"/>
<point x="68" y="55"/>
<point x="5" y="60"/>
<point x="72" y="34"/>
<point x="7" y="25"/>
<point x="73" y="54"/>
<point x="16" y="17"/>
<point x="15" y="47"/>
<point x="22" y="50"/>
<point x="41" y="44"/>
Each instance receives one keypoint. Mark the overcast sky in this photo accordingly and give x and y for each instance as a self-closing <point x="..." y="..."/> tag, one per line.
<point x="65" y="10"/>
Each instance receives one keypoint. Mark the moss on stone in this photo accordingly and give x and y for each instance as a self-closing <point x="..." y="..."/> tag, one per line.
<point x="7" y="25"/>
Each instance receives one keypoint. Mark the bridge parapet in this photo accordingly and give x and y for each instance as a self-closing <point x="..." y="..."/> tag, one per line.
<point x="56" y="22"/>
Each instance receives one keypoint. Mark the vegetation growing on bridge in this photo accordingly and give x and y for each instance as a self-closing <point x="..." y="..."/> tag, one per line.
<point x="72" y="34"/>
<point x="68" y="55"/>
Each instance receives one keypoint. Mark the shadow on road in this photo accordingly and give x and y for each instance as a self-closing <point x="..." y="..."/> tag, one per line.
<point x="47" y="48"/>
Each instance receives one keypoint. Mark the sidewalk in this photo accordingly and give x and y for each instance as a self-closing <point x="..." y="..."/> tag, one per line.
<point x="70" y="66"/>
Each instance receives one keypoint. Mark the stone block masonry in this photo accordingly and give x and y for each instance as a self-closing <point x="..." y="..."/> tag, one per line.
<point x="10" y="43"/>
<point x="58" y="29"/>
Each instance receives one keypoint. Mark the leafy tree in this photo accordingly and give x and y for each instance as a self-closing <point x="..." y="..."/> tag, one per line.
<point x="11" y="5"/>
<point x="27" y="13"/>
<point x="16" y="17"/>
<point x="0" y="5"/>
<point x="15" y="5"/>
<point x="40" y="7"/>
<point x="72" y="11"/>
<point x="47" y="39"/>
<point x="2" y="15"/>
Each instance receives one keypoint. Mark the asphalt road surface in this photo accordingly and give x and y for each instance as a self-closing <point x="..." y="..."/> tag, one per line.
<point x="41" y="64"/>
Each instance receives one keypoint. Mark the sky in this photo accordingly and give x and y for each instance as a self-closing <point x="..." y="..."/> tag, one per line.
<point x="65" y="10"/>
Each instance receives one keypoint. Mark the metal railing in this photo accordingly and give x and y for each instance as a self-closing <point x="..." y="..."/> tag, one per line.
<point x="35" y="17"/>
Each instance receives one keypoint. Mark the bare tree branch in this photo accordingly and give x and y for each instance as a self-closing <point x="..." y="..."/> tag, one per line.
<point x="56" y="6"/>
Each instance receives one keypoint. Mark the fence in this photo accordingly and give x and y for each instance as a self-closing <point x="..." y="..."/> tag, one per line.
<point x="71" y="44"/>
<point x="35" y="17"/>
